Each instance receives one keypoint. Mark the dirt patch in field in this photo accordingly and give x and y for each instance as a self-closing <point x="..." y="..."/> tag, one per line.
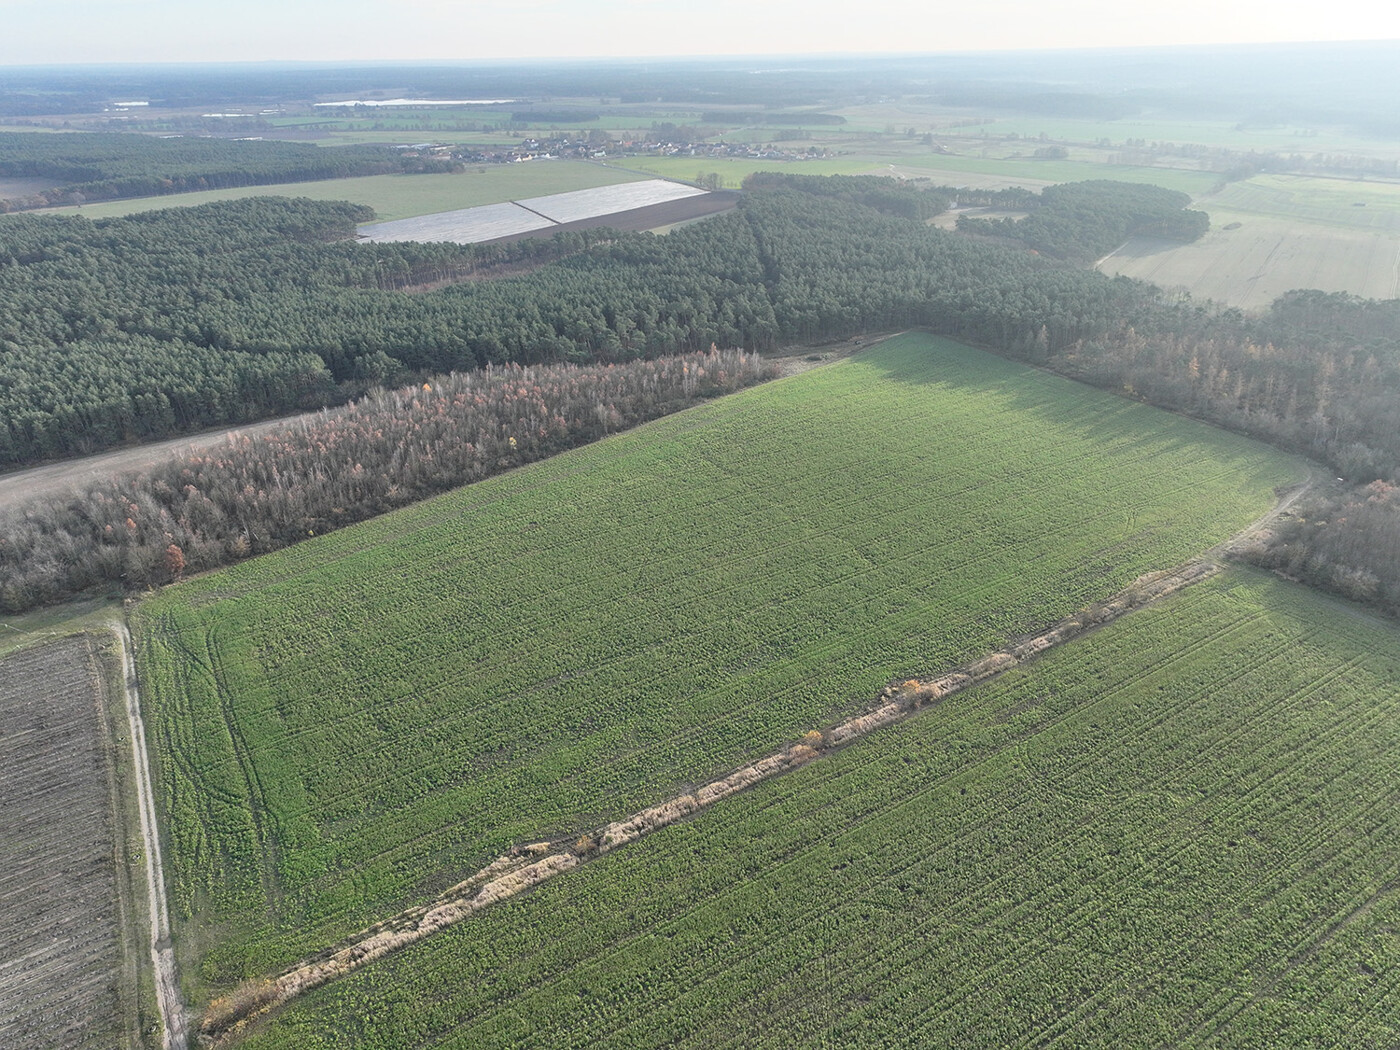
<point x="949" y="219"/>
<point x="794" y="360"/>
<point x="66" y="976"/>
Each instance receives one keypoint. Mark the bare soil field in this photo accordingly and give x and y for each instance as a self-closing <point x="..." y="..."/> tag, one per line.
<point x="23" y="187"/>
<point x="949" y="219"/>
<point x="1273" y="233"/>
<point x="608" y="200"/>
<point x="954" y="177"/>
<point x="488" y="222"/>
<point x="67" y="977"/>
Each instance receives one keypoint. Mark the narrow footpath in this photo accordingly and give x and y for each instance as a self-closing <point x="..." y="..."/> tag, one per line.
<point x="175" y="1035"/>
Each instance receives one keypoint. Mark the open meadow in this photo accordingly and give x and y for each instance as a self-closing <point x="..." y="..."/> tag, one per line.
<point x="1035" y="173"/>
<point x="352" y="725"/>
<point x="1178" y="831"/>
<point x="733" y="170"/>
<point x="69" y="972"/>
<point x="1258" y="260"/>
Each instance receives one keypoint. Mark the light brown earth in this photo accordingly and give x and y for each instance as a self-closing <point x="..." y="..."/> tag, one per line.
<point x="1250" y="260"/>
<point x="652" y="217"/>
<point x="174" y="1031"/>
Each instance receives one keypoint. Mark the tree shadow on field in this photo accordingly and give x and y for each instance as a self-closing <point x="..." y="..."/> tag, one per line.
<point x="1062" y="405"/>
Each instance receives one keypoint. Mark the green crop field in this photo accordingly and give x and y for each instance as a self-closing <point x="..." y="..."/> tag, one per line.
<point x="1274" y="233"/>
<point x="1179" y="831"/>
<point x="1284" y="139"/>
<point x="1357" y="204"/>
<point x="351" y="725"/>
<point x="402" y="196"/>
<point x="1262" y="257"/>
<point x="938" y="168"/>
<point x="732" y="171"/>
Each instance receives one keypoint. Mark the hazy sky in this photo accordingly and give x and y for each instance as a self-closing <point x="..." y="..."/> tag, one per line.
<point x="58" y="31"/>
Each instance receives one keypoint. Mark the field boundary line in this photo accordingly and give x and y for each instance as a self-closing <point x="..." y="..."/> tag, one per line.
<point x="174" y="1033"/>
<point x="541" y="214"/>
<point x="1110" y="255"/>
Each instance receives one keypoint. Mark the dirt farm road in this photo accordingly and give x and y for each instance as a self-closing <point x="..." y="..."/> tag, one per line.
<point x="172" y="1008"/>
<point x="52" y="479"/>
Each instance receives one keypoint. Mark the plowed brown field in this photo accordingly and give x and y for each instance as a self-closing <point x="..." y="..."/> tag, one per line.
<point x="65" y="978"/>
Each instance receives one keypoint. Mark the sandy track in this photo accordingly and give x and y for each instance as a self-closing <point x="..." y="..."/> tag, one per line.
<point x="175" y="1034"/>
<point x="52" y="479"/>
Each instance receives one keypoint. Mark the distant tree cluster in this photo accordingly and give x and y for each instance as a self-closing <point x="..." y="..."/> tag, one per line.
<point x="91" y="166"/>
<point x="770" y="117"/>
<point x="1350" y="545"/>
<point x="1335" y="321"/>
<point x="1081" y="221"/>
<point x="526" y="117"/>
<point x="885" y="195"/>
<point x="253" y="495"/>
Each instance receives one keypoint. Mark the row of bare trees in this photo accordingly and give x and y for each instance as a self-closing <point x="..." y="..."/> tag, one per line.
<point x="251" y="495"/>
<point x="1337" y="401"/>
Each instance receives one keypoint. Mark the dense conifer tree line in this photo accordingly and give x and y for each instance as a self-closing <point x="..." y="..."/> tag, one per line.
<point x="908" y="200"/>
<point x="93" y="166"/>
<point x="259" y="306"/>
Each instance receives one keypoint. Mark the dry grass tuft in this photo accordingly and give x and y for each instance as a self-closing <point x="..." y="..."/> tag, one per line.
<point x="247" y="999"/>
